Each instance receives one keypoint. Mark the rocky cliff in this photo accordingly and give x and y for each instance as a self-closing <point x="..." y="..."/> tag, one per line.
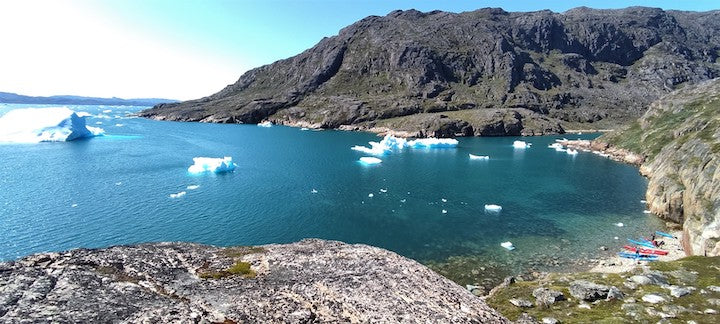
<point x="485" y="72"/>
<point x="679" y="136"/>
<point x="306" y="282"/>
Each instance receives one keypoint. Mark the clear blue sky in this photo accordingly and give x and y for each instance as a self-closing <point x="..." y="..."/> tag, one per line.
<point x="190" y="48"/>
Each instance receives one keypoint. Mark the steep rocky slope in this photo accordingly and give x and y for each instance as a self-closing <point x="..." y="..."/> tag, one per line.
<point x="306" y="282"/>
<point x="679" y="136"/>
<point x="485" y="72"/>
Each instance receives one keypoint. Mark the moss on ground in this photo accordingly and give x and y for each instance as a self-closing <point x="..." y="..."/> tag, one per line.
<point x="239" y="268"/>
<point x="696" y="271"/>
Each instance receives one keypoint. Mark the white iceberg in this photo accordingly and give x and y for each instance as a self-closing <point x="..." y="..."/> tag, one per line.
<point x="493" y="208"/>
<point x="508" y="245"/>
<point x="646" y="211"/>
<point x="371" y="195"/>
<point x="619" y="224"/>
<point x="433" y="142"/>
<point x="572" y="152"/>
<point x="478" y="157"/>
<point x="557" y="146"/>
<point x="207" y="164"/>
<point x="521" y="144"/>
<point x="304" y="129"/>
<point x="369" y="160"/>
<point x="314" y="191"/>
<point x="192" y="187"/>
<point x="390" y="142"/>
<point x="34" y="125"/>
<point x="383" y="190"/>
<point x="444" y="211"/>
<point x="178" y="195"/>
<point x="266" y="123"/>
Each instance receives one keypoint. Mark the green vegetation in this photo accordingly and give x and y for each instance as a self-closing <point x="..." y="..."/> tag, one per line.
<point x="239" y="268"/>
<point x="696" y="271"/>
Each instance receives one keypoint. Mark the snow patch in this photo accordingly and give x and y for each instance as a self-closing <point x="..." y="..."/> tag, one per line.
<point x="34" y="125"/>
<point x="207" y="164"/>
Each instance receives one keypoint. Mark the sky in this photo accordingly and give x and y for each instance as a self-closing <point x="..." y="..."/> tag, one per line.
<point x="186" y="49"/>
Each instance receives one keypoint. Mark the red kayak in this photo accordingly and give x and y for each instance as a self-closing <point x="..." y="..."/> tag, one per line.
<point x="645" y="251"/>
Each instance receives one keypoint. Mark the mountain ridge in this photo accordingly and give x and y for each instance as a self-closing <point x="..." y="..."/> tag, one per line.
<point x="9" y="97"/>
<point x="483" y="72"/>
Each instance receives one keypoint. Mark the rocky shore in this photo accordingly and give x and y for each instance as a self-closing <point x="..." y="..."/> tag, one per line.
<point x="305" y="282"/>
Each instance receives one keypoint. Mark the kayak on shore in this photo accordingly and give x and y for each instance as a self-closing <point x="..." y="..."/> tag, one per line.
<point x="665" y="234"/>
<point x="639" y="257"/>
<point x="642" y="243"/>
<point x="645" y="250"/>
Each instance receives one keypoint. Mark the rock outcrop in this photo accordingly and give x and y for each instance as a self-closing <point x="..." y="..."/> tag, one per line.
<point x="577" y="67"/>
<point x="679" y="136"/>
<point x="306" y="282"/>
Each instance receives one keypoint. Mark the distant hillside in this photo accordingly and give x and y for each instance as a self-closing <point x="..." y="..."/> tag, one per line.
<point x="485" y="72"/>
<point x="7" y="97"/>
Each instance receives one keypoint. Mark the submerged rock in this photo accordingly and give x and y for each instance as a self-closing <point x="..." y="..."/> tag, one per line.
<point x="308" y="281"/>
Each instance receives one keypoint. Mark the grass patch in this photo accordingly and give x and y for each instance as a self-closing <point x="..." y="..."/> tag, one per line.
<point x="239" y="268"/>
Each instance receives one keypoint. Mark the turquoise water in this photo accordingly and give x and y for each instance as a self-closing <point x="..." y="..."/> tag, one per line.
<point x="115" y="190"/>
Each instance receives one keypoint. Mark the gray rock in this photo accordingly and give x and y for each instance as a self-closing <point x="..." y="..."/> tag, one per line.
<point x="308" y="281"/>
<point x="654" y="312"/>
<point x="614" y="293"/>
<point x="713" y="301"/>
<point x="550" y="320"/>
<point x="676" y="291"/>
<point x="654" y="298"/>
<point x="710" y="311"/>
<point x="588" y="291"/>
<point x="713" y="288"/>
<point x="649" y="278"/>
<point x="546" y="297"/>
<point x="674" y="310"/>
<point x="524" y="318"/>
<point x="519" y="302"/>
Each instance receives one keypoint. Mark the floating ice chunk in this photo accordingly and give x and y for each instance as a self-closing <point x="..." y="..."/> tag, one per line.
<point x="119" y="125"/>
<point x="508" y="245"/>
<point x="207" y="164"/>
<point x="433" y="142"/>
<point x="119" y="183"/>
<point x="572" y="152"/>
<point x="403" y="200"/>
<point x="443" y="200"/>
<point x="373" y="150"/>
<point x="616" y="238"/>
<point x="521" y="144"/>
<point x="647" y="211"/>
<point x="314" y="191"/>
<point x="383" y="190"/>
<point x="369" y="160"/>
<point x="266" y="123"/>
<point x="304" y="129"/>
<point x="478" y="157"/>
<point x="192" y="187"/>
<point x="98" y="123"/>
<point x="74" y="205"/>
<point x="555" y="146"/>
<point x="444" y="211"/>
<point x="493" y="208"/>
<point x="107" y="111"/>
<point x="34" y="125"/>
<point x="178" y="195"/>
<point x="643" y="201"/>
<point x="371" y="195"/>
<point x="619" y="224"/>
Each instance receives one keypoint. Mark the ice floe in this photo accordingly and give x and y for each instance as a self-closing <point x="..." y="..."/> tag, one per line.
<point x="572" y="152"/>
<point x="314" y="191"/>
<point x="557" y="146"/>
<point x="383" y="190"/>
<point x="266" y="123"/>
<point x="192" y="187"/>
<point x="508" y="245"/>
<point x="646" y="211"/>
<point x="521" y="144"/>
<point x="443" y="200"/>
<point x="444" y="211"/>
<point x="619" y="224"/>
<point x="369" y="160"/>
<point x="478" y="157"/>
<point x="304" y="129"/>
<point x="208" y="164"/>
<point x="34" y="125"/>
<point x="390" y="143"/>
<point x="178" y="195"/>
<point x="493" y="208"/>
<point x="371" y="195"/>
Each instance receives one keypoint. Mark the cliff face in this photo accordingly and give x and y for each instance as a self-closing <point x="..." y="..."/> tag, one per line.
<point x="305" y="282"/>
<point x="485" y="72"/>
<point x="680" y="136"/>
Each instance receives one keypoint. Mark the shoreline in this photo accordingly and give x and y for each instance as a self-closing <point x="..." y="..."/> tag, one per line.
<point x="616" y="264"/>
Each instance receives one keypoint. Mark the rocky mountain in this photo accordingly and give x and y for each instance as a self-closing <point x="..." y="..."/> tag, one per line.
<point x="7" y="97"/>
<point x="312" y="281"/>
<point x="679" y="139"/>
<point x="485" y="72"/>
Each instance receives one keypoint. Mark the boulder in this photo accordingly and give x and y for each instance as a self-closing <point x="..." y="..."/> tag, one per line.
<point x="546" y="297"/>
<point x="519" y="302"/>
<point x="588" y="291"/>
<point x="653" y="299"/>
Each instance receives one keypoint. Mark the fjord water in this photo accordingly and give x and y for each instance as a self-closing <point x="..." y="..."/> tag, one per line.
<point x="115" y="190"/>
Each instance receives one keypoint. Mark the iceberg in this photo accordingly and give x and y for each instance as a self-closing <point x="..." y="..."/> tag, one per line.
<point x="390" y="143"/>
<point x="521" y="144"/>
<point x="266" y="123"/>
<point x="178" y="195"/>
<point x="207" y="164"/>
<point x="619" y="224"/>
<point x="572" y="152"/>
<point x="34" y="125"/>
<point x="508" y="245"/>
<point x="557" y="146"/>
<point x="192" y="187"/>
<point x="433" y="142"/>
<point x="444" y="211"/>
<point x="478" y="157"/>
<point x="493" y="208"/>
<point x="369" y="160"/>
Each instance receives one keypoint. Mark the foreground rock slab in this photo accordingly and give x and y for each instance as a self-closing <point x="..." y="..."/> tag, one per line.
<point x="308" y="281"/>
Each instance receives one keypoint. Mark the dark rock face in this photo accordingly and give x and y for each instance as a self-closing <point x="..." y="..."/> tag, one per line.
<point x="309" y="281"/>
<point x="581" y="66"/>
